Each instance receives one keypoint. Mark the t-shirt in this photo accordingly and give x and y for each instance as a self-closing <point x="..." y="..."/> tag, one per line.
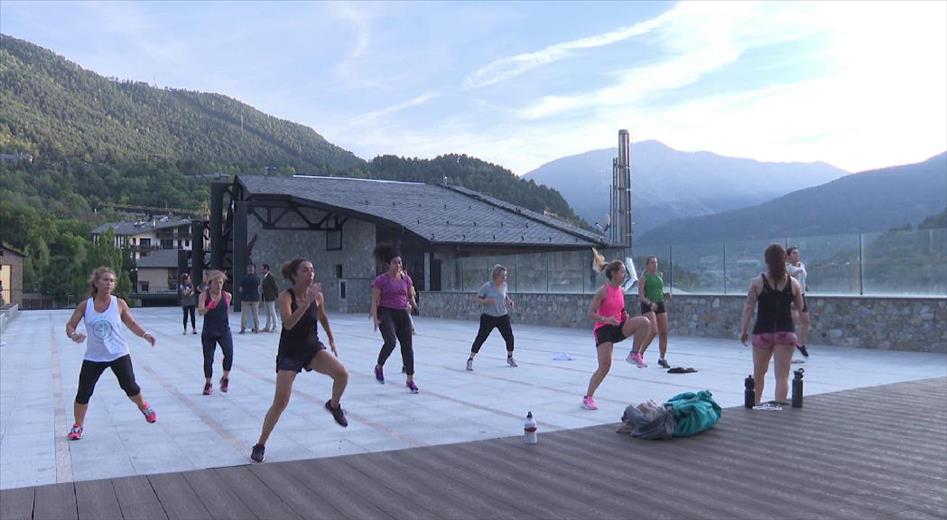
<point x="489" y="290"/>
<point x="187" y="300"/>
<point x="799" y="273"/>
<point x="394" y="291"/>
<point x="250" y="288"/>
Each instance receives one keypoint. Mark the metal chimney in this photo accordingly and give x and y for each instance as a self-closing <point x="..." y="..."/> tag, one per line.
<point x="620" y="232"/>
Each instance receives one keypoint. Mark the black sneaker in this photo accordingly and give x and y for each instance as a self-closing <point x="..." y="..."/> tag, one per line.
<point x="337" y="413"/>
<point x="802" y="348"/>
<point x="663" y="363"/>
<point x="257" y="454"/>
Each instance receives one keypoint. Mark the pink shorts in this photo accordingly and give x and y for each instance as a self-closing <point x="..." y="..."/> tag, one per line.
<point x="773" y="339"/>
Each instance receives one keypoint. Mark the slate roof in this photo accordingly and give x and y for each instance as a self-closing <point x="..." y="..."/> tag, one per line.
<point x="159" y="258"/>
<point x="135" y="228"/>
<point x="440" y="215"/>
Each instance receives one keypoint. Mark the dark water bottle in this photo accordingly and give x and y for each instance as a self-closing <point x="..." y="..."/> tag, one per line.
<point x="749" y="392"/>
<point x="797" y="388"/>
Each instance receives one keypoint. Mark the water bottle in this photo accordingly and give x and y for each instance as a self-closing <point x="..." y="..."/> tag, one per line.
<point x="530" y="433"/>
<point x="797" y="388"/>
<point x="749" y="392"/>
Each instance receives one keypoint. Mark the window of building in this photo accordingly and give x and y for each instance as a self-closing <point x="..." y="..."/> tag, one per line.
<point x="333" y="240"/>
<point x="143" y="286"/>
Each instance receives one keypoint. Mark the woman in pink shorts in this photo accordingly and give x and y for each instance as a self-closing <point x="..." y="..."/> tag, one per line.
<point x="773" y="294"/>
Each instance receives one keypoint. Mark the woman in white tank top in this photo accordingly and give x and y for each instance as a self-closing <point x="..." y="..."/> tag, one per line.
<point x="106" y="347"/>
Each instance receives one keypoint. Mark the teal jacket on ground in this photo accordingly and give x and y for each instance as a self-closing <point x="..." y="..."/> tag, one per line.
<point x="693" y="412"/>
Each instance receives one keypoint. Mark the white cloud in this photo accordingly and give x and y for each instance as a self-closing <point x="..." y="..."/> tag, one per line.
<point x="512" y="66"/>
<point x="376" y="114"/>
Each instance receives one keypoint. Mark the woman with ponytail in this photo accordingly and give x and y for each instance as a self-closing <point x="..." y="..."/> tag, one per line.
<point x="773" y="293"/>
<point x="612" y="324"/>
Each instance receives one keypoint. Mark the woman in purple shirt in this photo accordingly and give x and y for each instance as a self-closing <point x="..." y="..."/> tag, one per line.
<point x="391" y="291"/>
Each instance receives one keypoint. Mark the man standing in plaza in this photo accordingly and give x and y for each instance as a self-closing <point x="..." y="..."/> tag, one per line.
<point x="250" y="299"/>
<point x="797" y="270"/>
<point x="270" y="292"/>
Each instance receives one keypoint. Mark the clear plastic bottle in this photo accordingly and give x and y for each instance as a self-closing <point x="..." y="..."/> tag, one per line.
<point x="530" y="430"/>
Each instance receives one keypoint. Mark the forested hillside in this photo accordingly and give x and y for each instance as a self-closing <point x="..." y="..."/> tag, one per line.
<point x="86" y="141"/>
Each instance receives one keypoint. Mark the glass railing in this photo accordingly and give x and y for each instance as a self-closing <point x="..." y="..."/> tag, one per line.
<point x="890" y="263"/>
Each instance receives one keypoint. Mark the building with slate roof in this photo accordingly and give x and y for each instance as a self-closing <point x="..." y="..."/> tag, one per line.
<point x="338" y="221"/>
<point x="143" y="237"/>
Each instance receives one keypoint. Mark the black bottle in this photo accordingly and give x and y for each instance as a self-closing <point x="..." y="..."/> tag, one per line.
<point x="797" y="388"/>
<point x="749" y="392"/>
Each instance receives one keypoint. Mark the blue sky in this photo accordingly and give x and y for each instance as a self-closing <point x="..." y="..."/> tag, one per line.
<point x="858" y="85"/>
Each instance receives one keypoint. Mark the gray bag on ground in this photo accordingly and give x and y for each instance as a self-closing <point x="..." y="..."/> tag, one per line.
<point x="648" y="420"/>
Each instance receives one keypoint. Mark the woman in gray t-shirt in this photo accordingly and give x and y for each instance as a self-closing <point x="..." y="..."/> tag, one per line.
<point x="495" y="301"/>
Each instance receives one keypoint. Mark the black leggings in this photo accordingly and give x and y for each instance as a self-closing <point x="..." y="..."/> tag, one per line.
<point x="91" y="371"/>
<point x="188" y="309"/>
<point x="210" y="345"/>
<point x="395" y="323"/>
<point x="487" y="324"/>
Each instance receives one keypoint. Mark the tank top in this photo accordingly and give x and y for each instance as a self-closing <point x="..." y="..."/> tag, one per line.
<point x="303" y="339"/>
<point x="654" y="287"/>
<point x="612" y="305"/>
<point x="773" y="311"/>
<point x="216" y="320"/>
<point x="104" y="341"/>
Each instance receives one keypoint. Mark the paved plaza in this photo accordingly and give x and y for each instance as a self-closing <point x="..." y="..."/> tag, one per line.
<point x="39" y="369"/>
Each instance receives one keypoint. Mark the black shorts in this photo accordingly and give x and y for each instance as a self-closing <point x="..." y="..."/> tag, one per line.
<point x="645" y="308"/>
<point x="297" y="364"/>
<point x="609" y="334"/>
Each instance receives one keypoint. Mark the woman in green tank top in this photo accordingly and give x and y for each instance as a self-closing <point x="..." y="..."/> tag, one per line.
<point x="651" y="296"/>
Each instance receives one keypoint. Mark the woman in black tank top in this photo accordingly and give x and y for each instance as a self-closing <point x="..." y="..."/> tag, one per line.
<point x="772" y="293"/>
<point x="301" y="308"/>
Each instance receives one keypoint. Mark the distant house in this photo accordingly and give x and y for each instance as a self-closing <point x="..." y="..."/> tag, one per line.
<point x="12" y="159"/>
<point x="11" y="275"/>
<point x="158" y="272"/>
<point x="146" y="236"/>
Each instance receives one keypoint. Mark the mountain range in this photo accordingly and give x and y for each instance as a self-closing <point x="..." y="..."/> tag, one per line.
<point x="874" y="200"/>
<point x="668" y="184"/>
<point x="96" y="139"/>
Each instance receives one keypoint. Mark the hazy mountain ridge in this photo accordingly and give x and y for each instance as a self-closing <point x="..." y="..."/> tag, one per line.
<point x="874" y="200"/>
<point x="669" y="184"/>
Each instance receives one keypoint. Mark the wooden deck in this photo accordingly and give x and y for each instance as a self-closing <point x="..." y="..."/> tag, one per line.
<point x="877" y="452"/>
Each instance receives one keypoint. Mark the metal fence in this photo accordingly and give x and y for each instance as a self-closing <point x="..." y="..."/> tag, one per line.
<point x="890" y="263"/>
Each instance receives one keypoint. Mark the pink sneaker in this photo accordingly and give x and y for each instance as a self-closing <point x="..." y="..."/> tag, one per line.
<point x="149" y="413"/>
<point x="75" y="433"/>
<point x="636" y="359"/>
<point x="588" y="403"/>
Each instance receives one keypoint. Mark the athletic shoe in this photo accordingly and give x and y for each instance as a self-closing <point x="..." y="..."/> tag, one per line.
<point x="411" y="386"/>
<point x="469" y="365"/>
<point x="664" y="363"/>
<point x="185" y="332"/>
<point x="242" y="331"/>
<point x="588" y="403"/>
<point x="149" y="413"/>
<point x="192" y="332"/>
<point x="510" y="361"/>
<point x="337" y="413"/>
<point x="379" y="374"/>
<point x="224" y="384"/>
<point x="208" y="388"/>
<point x="75" y="433"/>
<point x="635" y="359"/>
<point x="802" y="348"/>
<point x="257" y="454"/>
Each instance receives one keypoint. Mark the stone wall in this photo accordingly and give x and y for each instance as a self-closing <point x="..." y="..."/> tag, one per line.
<point x="918" y="324"/>
<point x="275" y="247"/>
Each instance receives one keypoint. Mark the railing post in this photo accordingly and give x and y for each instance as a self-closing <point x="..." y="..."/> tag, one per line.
<point x="671" y="267"/>
<point x="724" y="267"/>
<point x="861" y="264"/>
